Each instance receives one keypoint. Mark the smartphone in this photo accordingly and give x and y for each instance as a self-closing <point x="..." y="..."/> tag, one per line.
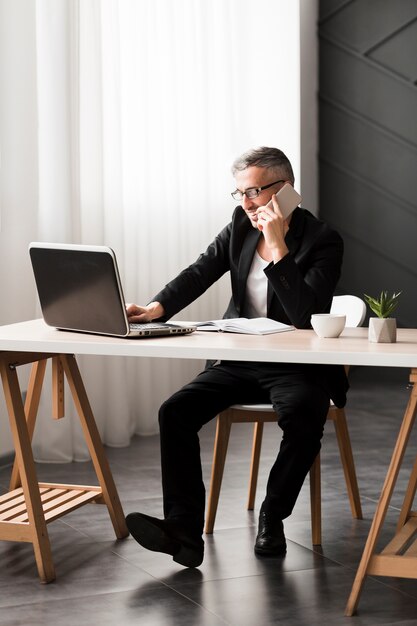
<point x="288" y="199"/>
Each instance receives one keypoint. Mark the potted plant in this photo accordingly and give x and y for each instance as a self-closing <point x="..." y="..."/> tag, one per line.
<point x="383" y="328"/>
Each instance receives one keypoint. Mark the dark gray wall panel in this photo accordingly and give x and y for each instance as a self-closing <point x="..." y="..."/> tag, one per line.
<point x="366" y="272"/>
<point x="362" y="24"/>
<point x="399" y="53"/>
<point x="367" y="214"/>
<point x="368" y="144"/>
<point x="362" y="87"/>
<point x="357" y="146"/>
<point x="330" y="7"/>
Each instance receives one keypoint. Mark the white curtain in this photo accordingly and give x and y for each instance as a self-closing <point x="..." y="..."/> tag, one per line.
<point x="141" y="107"/>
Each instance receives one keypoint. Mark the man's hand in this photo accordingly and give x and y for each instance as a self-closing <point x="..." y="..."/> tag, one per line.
<point x="274" y="228"/>
<point x="141" y="314"/>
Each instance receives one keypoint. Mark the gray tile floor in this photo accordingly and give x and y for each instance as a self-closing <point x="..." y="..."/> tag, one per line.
<point x="104" y="581"/>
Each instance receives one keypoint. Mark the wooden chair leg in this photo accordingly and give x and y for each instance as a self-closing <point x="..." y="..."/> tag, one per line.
<point x="348" y="463"/>
<point x="315" y="501"/>
<point x="221" y="442"/>
<point x="258" y="430"/>
<point x="222" y="438"/>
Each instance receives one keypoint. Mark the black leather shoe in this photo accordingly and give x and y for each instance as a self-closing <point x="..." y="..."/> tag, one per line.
<point x="169" y="536"/>
<point x="270" y="539"/>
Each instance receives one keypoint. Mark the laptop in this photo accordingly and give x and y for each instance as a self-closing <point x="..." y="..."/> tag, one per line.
<point x="79" y="289"/>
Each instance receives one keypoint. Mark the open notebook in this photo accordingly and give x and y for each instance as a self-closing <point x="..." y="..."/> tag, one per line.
<point x="253" y="326"/>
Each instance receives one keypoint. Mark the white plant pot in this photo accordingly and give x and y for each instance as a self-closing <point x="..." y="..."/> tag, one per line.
<point x="382" y="330"/>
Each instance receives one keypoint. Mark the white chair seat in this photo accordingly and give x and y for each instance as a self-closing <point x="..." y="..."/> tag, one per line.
<point x="252" y="407"/>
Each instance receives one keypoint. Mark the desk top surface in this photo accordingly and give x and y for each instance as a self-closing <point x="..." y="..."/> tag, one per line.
<point x="298" y="346"/>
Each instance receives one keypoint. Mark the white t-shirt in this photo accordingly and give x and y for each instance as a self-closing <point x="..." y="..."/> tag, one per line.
<point x="256" y="288"/>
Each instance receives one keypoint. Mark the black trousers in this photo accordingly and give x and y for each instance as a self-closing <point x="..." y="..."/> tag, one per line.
<point x="301" y="404"/>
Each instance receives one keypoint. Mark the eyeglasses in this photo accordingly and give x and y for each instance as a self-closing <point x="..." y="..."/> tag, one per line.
<point x="252" y="192"/>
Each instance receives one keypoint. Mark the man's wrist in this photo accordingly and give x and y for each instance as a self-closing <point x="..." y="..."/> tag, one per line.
<point x="279" y="253"/>
<point x="156" y="310"/>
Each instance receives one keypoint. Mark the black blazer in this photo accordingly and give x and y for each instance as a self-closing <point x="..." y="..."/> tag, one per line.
<point x="302" y="283"/>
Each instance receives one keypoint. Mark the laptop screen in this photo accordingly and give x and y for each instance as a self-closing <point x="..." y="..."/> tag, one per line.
<point x="79" y="288"/>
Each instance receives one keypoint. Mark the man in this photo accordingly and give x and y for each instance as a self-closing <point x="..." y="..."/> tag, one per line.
<point x="285" y="269"/>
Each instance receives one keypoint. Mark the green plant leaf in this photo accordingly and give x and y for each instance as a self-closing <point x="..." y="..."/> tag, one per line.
<point x="383" y="306"/>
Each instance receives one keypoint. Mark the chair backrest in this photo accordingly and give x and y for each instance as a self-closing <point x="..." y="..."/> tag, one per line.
<point x="353" y="307"/>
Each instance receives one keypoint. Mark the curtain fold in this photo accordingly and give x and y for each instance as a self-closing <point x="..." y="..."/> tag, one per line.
<point x="142" y="106"/>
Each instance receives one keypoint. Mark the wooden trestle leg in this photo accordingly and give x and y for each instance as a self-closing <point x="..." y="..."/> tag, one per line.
<point x="95" y="445"/>
<point x="390" y="562"/>
<point x="35" y="531"/>
<point x="27" y="508"/>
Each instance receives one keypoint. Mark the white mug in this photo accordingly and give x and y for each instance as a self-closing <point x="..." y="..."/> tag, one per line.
<point x="328" y="324"/>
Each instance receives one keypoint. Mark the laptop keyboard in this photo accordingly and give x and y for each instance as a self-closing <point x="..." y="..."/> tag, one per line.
<point x="146" y="326"/>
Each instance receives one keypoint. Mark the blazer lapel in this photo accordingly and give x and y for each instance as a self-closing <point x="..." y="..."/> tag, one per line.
<point x="245" y="261"/>
<point x="294" y="236"/>
<point x="269" y="296"/>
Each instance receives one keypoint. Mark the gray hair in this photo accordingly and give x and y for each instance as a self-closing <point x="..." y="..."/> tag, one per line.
<point x="270" y="158"/>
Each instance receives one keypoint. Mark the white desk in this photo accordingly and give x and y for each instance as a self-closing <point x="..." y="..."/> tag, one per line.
<point x="300" y="346"/>
<point x="34" y="342"/>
